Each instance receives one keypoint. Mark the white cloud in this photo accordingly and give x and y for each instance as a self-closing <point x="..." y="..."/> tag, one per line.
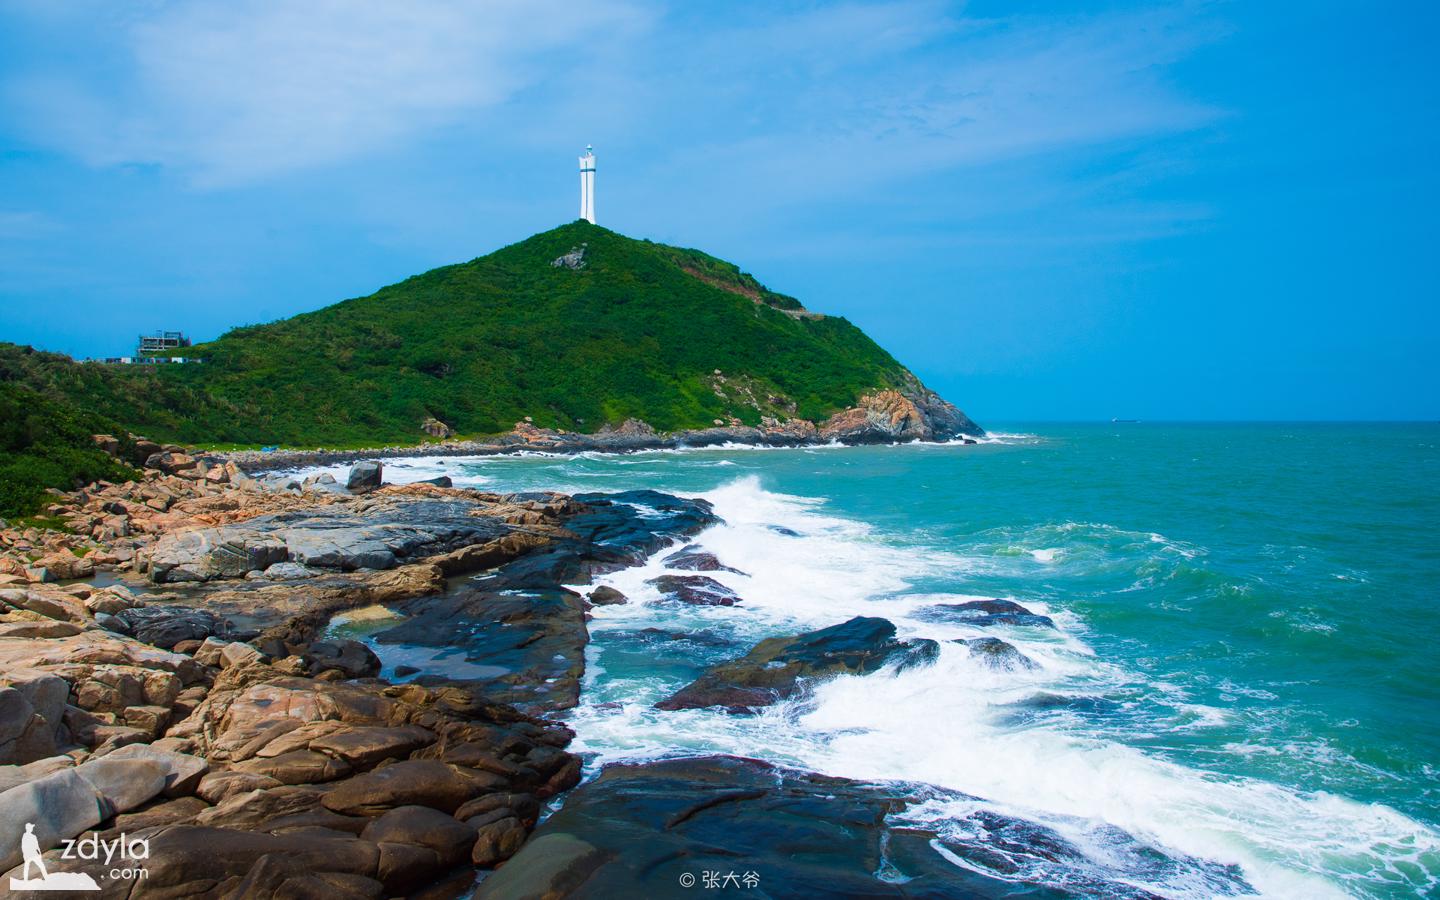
<point x="238" y="91"/>
<point x="918" y="90"/>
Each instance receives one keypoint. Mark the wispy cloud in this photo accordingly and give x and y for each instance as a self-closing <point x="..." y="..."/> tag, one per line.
<point x="235" y="92"/>
<point x="845" y="98"/>
<point x="23" y="224"/>
<point x="792" y="104"/>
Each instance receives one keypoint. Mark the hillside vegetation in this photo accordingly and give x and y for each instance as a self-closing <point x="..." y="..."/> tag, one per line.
<point x="638" y="329"/>
<point x="46" y="443"/>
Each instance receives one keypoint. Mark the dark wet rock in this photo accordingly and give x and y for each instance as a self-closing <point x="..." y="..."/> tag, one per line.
<point x="692" y="558"/>
<point x="525" y="648"/>
<point x="1043" y="702"/>
<point x="406" y="671"/>
<point x="604" y="595"/>
<point x="984" y="612"/>
<point x="522" y="627"/>
<point x="352" y="658"/>
<point x="997" y="654"/>
<point x="636" y="829"/>
<point x="629" y="526"/>
<point x="165" y="625"/>
<point x="699" y="638"/>
<point x="1026" y="852"/>
<point x="366" y="475"/>
<point x="775" y="669"/>
<point x="443" y="481"/>
<point x="783" y="531"/>
<point x="695" y="590"/>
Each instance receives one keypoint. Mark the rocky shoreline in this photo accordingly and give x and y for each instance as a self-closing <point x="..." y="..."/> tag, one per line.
<point x="170" y="671"/>
<point x="886" y="417"/>
<point x="190" y="697"/>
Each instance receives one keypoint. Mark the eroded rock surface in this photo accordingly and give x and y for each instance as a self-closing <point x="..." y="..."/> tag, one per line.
<point x="637" y="829"/>
<point x="523" y="621"/>
<point x="776" y="668"/>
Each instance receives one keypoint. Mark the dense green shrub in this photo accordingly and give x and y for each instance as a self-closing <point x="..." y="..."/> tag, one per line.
<point x="638" y="331"/>
<point x="47" y="444"/>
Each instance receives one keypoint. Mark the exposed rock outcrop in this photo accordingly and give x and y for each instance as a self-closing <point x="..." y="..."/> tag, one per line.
<point x="674" y="827"/>
<point x="776" y="668"/>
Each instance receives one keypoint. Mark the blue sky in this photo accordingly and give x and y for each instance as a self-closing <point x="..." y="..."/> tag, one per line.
<point x="1047" y="210"/>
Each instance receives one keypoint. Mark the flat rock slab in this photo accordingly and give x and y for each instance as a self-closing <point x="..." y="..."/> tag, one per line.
<point x="642" y="830"/>
<point x="376" y="534"/>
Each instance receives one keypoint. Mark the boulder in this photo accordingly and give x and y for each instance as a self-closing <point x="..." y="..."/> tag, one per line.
<point x="217" y="787"/>
<point x="776" y="668"/>
<point x="60" y="805"/>
<point x="424" y="827"/>
<point x="32" y="709"/>
<point x="352" y="658"/>
<point x="604" y="595"/>
<point x="183" y="772"/>
<point x="298" y="767"/>
<point x="171" y="462"/>
<point x="165" y="625"/>
<point x="692" y="558"/>
<point x="695" y="590"/>
<point x="365" y="746"/>
<point x="414" y="782"/>
<point x="983" y="613"/>
<point x="997" y="654"/>
<point x="496" y="841"/>
<point x="239" y="653"/>
<point x="366" y="475"/>
<point x="124" y="783"/>
<point x="208" y="653"/>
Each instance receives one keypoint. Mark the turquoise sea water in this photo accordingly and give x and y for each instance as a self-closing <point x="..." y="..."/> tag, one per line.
<point x="1245" y="664"/>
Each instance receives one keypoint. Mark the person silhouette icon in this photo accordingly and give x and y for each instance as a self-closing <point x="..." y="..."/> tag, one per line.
<point x="30" y="851"/>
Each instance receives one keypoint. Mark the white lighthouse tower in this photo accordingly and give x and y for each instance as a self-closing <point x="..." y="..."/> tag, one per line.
<point x="587" y="185"/>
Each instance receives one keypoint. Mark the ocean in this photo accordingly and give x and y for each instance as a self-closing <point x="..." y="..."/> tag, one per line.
<point x="1243" y="668"/>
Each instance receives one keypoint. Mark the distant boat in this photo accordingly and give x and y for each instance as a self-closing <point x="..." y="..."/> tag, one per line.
<point x="1124" y="421"/>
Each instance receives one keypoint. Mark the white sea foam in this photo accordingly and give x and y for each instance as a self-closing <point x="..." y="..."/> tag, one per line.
<point x="946" y="724"/>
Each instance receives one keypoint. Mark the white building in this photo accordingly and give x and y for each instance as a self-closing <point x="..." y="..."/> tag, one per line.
<point x="587" y="185"/>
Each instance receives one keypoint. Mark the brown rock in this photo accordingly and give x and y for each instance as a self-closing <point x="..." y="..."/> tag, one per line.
<point x="415" y="782"/>
<point x="423" y="827"/>
<point x="363" y="747"/>
<point x="298" y="767"/>
<point x="217" y="787"/>
<point x="497" y="842"/>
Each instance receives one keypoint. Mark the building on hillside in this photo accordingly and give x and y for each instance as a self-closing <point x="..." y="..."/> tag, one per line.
<point x="587" y="185"/>
<point x="161" y="342"/>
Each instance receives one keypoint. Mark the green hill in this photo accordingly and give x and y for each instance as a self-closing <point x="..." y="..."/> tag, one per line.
<point x="577" y="327"/>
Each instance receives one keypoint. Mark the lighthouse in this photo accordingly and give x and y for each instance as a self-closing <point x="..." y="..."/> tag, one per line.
<point x="587" y="185"/>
